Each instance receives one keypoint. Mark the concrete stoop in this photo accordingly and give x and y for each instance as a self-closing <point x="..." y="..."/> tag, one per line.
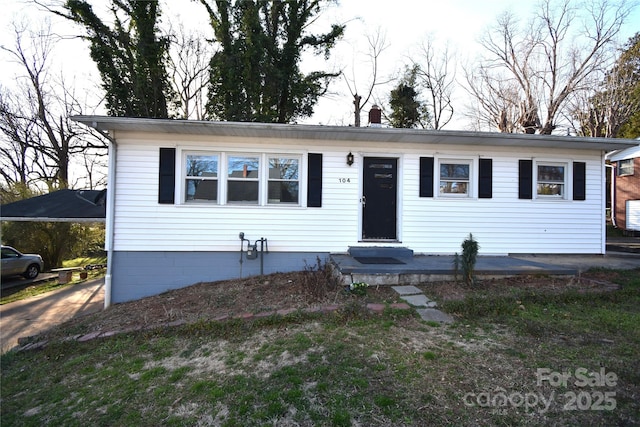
<point x="399" y="266"/>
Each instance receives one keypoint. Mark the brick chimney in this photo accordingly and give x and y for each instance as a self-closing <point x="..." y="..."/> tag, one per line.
<point x="375" y="116"/>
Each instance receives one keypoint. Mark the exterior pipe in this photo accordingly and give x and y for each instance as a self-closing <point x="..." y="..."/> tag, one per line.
<point x="110" y="220"/>
<point x="612" y="183"/>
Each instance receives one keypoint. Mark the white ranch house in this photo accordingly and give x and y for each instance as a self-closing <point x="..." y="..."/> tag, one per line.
<point x="181" y="192"/>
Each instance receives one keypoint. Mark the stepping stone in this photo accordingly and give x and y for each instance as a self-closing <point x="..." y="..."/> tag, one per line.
<point x="417" y="300"/>
<point x="407" y="290"/>
<point x="433" y="315"/>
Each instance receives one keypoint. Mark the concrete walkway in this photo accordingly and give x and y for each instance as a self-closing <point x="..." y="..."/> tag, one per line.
<point x="35" y="315"/>
<point x="423" y="305"/>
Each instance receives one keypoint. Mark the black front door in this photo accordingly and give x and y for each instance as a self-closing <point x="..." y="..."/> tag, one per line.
<point x="379" y="198"/>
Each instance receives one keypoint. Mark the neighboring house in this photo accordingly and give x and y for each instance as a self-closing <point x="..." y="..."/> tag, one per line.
<point x="181" y="192"/>
<point x="625" y="188"/>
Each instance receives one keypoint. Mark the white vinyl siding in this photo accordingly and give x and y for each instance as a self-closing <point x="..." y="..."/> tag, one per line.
<point x="503" y="224"/>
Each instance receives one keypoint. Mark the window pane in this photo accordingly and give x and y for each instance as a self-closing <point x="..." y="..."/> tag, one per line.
<point x="243" y="191"/>
<point x="283" y="168"/>
<point x="454" y="171"/>
<point x="241" y="167"/>
<point x="550" y="189"/>
<point x="453" y="187"/>
<point x="283" y="186"/>
<point x="200" y="189"/>
<point x="283" y="192"/>
<point x="202" y="165"/>
<point x="625" y="167"/>
<point x="549" y="173"/>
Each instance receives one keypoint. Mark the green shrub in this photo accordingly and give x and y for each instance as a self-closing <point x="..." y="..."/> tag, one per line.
<point x="466" y="263"/>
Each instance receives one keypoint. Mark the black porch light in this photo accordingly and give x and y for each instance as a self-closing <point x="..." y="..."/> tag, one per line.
<point x="350" y="158"/>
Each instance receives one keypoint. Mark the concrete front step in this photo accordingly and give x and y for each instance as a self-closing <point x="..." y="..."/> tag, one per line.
<point x="380" y="252"/>
<point x="433" y="268"/>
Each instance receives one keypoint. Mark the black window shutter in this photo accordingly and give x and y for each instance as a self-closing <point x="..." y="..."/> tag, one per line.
<point x="485" y="174"/>
<point x="579" y="180"/>
<point x="525" y="179"/>
<point x="426" y="176"/>
<point x="314" y="181"/>
<point x="167" y="176"/>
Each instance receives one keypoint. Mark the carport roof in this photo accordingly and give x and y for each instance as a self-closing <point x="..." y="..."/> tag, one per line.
<point x="59" y="206"/>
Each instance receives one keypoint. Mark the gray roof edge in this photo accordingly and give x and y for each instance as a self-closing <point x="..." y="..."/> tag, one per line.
<point x="349" y="133"/>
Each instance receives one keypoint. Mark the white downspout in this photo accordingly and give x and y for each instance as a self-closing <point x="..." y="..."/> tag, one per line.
<point x="110" y="220"/>
<point x="612" y="191"/>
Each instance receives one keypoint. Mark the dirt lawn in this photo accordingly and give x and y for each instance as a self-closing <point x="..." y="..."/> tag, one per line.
<point x="298" y="290"/>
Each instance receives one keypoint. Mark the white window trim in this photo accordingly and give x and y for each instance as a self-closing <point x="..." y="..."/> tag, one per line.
<point x="182" y="185"/>
<point x="263" y="179"/>
<point x="267" y="157"/>
<point x="568" y="172"/>
<point x="472" y="192"/>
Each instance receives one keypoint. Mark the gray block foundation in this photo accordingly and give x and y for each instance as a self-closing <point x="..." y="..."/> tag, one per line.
<point x="137" y="275"/>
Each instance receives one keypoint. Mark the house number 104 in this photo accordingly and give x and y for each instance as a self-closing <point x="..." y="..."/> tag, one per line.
<point x="344" y="180"/>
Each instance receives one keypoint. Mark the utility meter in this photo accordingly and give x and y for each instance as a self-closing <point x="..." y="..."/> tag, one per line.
<point x="252" y="251"/>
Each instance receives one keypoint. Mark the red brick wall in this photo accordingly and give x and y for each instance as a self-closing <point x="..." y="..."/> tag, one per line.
<point x="627" y="188"/>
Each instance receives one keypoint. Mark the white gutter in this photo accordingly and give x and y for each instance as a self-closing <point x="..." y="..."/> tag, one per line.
<point x="110" y="220"/>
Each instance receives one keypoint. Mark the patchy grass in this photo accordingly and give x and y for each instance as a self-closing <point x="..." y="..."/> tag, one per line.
<point x="352" y="367"/>
<point x="83" y="261"/>
<point x="21" y="292"/>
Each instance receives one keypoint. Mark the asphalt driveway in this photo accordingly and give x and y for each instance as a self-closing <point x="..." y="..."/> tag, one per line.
<point x="34" y="315"/>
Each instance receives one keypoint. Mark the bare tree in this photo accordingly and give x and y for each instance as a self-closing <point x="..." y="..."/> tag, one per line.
<point x="188" y="67"/>
<point x="615" y="98"/>
<point x="38" y="137"/>
<point x="435" y="76"/>
<point x="546" y="62"/>
<point x="376" y="45"/>
<point x="16" y="163"/>
<point x="495" y="101"/>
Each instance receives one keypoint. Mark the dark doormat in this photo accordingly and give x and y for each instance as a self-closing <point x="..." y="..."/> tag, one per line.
<point x="377" y="260"/>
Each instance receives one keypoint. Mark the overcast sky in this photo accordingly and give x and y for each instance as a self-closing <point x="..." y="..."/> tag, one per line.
<point x="405" y="23"/>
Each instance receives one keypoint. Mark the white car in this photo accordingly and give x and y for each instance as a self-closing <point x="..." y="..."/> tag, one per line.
<point x="15" y="262"/>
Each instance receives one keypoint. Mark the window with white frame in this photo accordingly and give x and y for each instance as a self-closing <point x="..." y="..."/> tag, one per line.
<point x="243" y="179"/>
<point x="625" y="167"/>
<point x="551" y="180"/>
<point x="454" y="179"/>
<point x="284" y="180"/>
<point x="201" y="177"/>
<point x="250" y="179"/>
